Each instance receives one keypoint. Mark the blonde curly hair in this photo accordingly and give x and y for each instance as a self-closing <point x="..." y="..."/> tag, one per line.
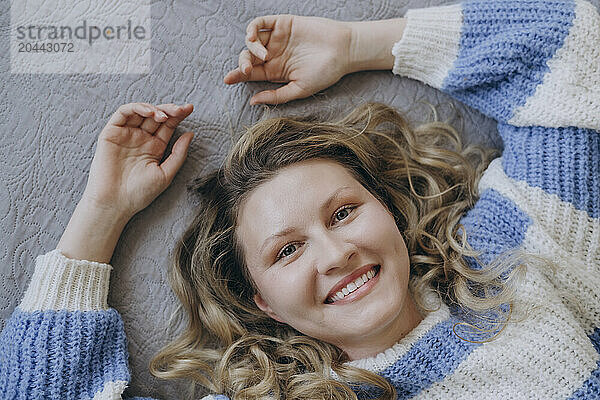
<point x="425" y="176"/>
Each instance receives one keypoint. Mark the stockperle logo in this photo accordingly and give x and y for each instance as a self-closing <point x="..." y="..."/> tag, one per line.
<point x="75" y="36"/>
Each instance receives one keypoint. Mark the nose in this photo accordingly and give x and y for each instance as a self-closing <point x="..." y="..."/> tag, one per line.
<point x="333" y="251"/>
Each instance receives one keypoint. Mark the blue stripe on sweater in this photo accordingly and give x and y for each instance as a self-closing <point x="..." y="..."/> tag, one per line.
<point x="495" y="225"/>
<point x="561" y="161"/>
<point x="590" y="388"/>
<point x="504" y="47"/>
<point x="433" y="357"/>
<point x="595" y="339"/>
<point x="436" y="355"/>
<point x="62" y="354"/>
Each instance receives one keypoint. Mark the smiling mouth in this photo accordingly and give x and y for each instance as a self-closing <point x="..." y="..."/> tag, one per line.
<point x="354" y="285"/>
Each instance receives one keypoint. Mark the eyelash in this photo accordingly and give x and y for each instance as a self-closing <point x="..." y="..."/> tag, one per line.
<point x="280" y="256"/>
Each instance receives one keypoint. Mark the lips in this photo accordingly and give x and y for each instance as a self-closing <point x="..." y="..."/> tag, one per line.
<point x="346" y="280"/>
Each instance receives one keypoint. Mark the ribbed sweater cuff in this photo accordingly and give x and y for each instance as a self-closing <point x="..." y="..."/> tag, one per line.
<point x="61" y="283"/>
<point x="429" y="44"/>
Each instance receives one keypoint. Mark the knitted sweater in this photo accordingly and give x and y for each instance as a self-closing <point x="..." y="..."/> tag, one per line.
<point x="534" y="66"/>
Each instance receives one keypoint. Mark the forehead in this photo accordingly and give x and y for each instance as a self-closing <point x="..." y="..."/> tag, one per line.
<point x="292" y="197"/>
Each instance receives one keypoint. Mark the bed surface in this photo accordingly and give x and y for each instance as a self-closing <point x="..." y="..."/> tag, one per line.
<point x="49" y="124"/>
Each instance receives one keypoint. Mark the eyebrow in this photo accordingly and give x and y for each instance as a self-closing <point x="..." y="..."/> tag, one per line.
<point x="289" y="230"/>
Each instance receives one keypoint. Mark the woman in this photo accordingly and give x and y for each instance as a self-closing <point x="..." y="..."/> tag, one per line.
<point x="295" y="274"/>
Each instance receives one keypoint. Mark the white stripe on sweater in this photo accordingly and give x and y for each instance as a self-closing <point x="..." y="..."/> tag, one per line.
<point x="61" y="283"/>
<point x="575" y="281"/>
<point x="570" y="92"/>
<point x="111" y="391"/>
<point x="429" y="44"/>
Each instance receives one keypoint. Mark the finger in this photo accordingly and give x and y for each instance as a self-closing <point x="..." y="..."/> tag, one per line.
<point x="158" y="115"/>
<point x="286" y="93"/>
<point x="132" y="112"/>
<point x="178" y="155"/>
<point x="257" y="73"/>
<point x="149" y="125"/>
<point x="254" y="39"/>
<point x="260" y="23"/>
<point x="129" y="111"/>
<point x="264" y="35"/>
<point x="135" y="121"/>
<point x="257" y="48"/>
<point x="246" y="60"/>
<point x="176" y="115"/>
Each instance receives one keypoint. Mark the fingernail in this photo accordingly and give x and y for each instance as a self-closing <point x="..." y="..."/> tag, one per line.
<point x="162" y="114"/>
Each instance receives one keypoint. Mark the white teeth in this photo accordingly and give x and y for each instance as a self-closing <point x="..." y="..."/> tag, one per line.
<point x="352" y="286"/>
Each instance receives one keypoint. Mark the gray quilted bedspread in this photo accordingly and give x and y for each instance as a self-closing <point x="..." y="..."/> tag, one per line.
<point x="49" y="124"/>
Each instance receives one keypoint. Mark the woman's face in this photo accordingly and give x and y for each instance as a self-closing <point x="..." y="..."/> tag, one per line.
<point x="310" y="232"/>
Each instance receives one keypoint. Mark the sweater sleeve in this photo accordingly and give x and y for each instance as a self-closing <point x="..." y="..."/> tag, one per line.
<point x="523" y="63"/>
<point x="534" y="66"/>
<point x="63" y="341"/>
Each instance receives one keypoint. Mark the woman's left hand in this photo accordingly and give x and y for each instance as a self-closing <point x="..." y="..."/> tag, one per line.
<point x="308" y="53"/>
<point x="126" y="174"/>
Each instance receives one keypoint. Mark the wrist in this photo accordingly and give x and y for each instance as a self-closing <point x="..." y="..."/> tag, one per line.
<point x="372" y="42"/>
<point x="102" y="210"/>
<point x="92" y="232"/>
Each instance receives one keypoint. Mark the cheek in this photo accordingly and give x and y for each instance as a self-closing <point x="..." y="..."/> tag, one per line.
<point x="284" y="290"/>
<point x="379" y="225"/>
<point x="381" y="235"/>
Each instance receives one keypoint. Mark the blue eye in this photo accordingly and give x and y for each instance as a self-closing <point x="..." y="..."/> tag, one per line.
<point x="342" y="213"/>
<point x="284" y="252"/>
<point x="291" y="248"/>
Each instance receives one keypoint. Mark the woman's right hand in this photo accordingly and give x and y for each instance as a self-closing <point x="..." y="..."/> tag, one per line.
<point x="126" y="175"/>
<point x="308" y="53"/>
<point x="126" y="172"/>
